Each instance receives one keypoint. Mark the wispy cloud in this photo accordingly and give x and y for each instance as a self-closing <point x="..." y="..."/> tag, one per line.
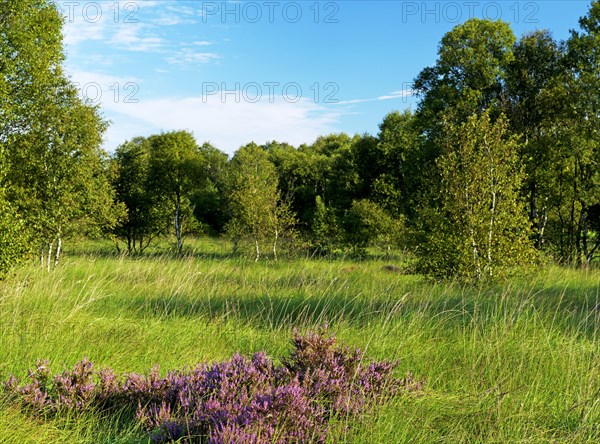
<point x="186" y="56"/>
<point x="141" y="31"/>
<point x="115" y="23"/>
<point x="391" y="96"/>
<point x="129" y="38"/>
<point x="176" y="15"/>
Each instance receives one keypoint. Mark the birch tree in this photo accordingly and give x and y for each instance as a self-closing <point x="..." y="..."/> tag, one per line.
<point x="257" y="209"/>
<point x="50" y="137"/>
<point x="480" y="220"/>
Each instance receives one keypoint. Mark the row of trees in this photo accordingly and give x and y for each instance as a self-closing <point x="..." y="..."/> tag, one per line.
<point x="168" y="180"/>
<point x="498" y="163"/>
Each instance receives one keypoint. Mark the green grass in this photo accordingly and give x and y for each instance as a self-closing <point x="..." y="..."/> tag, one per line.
<point x="518" y="362"/>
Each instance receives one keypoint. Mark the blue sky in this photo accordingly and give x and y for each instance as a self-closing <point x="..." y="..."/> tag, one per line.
<point x="235" y="72"/>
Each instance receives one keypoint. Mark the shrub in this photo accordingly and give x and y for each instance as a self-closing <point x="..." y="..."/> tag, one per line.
<point x="242" y="400"/>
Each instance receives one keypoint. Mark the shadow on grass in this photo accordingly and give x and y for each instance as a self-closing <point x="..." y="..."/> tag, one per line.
<point x="573" y="310"/>
<point x="151" y="255"/>
<point x="260" y="311"/>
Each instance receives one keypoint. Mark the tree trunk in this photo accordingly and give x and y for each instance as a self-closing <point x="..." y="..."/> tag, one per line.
<point x="582" y="245"/>
<point x="573" y="232"/>
<point x="475" y="255"/>
<point x="533" y="213"/>
<point x="43" y="255"/>
<point x="590" y="255"/>
<point x="58" y="250"/>
<point x="275" y="245"/>
<point x="538" y="223"/>
<point x="543" y="223"/>
<point x="178" y="226"/>
<point x="49" y="258"/>
<point x="257" y="250"/>
<point x="561" y="220"/>
<point x="491" y="234"/>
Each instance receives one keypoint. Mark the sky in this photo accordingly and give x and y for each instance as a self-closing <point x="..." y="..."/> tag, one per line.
<point x="233" y="72"/>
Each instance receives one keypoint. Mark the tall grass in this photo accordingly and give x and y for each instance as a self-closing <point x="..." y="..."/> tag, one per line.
<point x="519" y="362"/>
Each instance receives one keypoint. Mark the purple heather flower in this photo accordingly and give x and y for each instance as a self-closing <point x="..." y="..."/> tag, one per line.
<point x="242" y="400"/>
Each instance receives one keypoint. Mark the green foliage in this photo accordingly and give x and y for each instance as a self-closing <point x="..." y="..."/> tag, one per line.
<point x="209" y="200"/>
<point x="14" y="238"/>
<point x="257" y="209"/>
<point x="469" y="73"/>
<point x="398" y="186"/>
<point x="367" y="223"/>
<point x="532" y="106"/>
<point x="419" y="182"/>
<point x="176" y="170"/>
<point x="579" y="162"/>
<point x="481" y="230"/>
<point x="325" y="230"/>
<point x="147" y="209"/>
<point x="50" y="138"/>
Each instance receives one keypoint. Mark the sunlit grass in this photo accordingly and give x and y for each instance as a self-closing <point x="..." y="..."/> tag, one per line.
<point x="519" y="362"/>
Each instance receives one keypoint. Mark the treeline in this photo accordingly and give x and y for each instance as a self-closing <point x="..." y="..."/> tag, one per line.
<point x="497" y="168"/>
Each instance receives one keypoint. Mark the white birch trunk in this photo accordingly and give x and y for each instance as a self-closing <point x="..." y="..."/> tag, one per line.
<point x="58" y="250"/>
<point x="49" y="258"/>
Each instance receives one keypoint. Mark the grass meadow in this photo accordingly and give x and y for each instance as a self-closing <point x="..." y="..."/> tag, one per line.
<point x="514" y="363"/>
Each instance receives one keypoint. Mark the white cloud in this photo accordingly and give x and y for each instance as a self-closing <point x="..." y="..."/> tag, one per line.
<point x="111" y="22"/>
<point x="175" y="15"/>
<point x="397" y="94"/>
<point x="225" y="123"/>
<point x="82" y="24"/>
<point x="169" y="20"/>
<point x="188" y="56"/>
<point x="392" y="96"/>
<point x="81" y="31"/>
<point x="129" y="38"/>
<point x="106" y="90"/>
<point x="182" y="9"/>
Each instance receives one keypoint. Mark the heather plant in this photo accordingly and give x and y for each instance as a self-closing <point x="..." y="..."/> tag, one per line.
<point x="242" y="400"/>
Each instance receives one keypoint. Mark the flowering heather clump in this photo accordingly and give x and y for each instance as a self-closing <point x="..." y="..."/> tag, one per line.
<point x="243" y="400"/>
